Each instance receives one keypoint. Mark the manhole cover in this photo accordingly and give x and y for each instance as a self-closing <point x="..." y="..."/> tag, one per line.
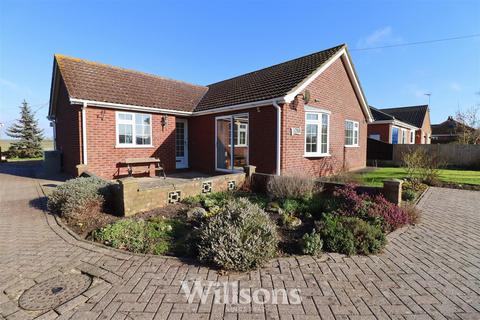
<point x="53" y="292"/>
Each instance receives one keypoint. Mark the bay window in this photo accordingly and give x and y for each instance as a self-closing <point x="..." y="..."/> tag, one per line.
<point x="134" y="129"/>
<point x="316" y="134"/>
<point x="351" y="133"/>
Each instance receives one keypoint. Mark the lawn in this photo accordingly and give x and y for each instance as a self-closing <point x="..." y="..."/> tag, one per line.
<point x="375" y="178"/>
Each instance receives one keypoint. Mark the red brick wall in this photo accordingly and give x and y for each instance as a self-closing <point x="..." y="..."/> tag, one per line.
<point x="332" y="91"/>
<point x="262" y="131"/>
<point x="68" y="131"/>
<point x="104" y="157"/>
<point x="382" y="129"/>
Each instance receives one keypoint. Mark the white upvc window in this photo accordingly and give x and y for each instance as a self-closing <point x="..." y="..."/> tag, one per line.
<point x="404" y="136"/>
<point x="242" y="134"/>
<point x="134" y="129"/>
<point x="412" y="136"/>
<point x="351" y="133"/>
<point x="316" y="134"/>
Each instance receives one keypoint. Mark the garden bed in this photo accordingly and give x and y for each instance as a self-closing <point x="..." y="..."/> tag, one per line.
<point x="237" y="230"/>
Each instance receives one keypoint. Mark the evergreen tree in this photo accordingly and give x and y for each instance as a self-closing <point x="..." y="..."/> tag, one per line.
<point x="28" y="136"/>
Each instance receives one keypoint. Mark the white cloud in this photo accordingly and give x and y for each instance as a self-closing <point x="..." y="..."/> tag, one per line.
<point x="417" y="91"/>
<point x="455" y="86"/>
<point x="10" y="85"/>
<point x="379" y="37"/>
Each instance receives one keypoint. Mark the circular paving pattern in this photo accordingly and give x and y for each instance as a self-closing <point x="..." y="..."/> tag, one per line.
<point x="53" y="292"/>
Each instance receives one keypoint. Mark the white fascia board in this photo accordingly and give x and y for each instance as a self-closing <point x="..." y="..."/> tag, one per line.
<point x="308" y="108"/>
<point x="128" y="107"/>
<point x="175" y="112"/>
<point x="247" y="105"/>
<point x="300" y="87"/>
<point x="356" y="85"/>
<point x="52" y="91"/>
<point x="396" y="123"/>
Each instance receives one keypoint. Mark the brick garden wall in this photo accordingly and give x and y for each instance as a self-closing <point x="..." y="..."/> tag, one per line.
<point x="331" y="91"/>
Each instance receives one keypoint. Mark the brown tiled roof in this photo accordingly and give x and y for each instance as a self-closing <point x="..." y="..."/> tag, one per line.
<point x="99" y="82"/>
<point x="379" y="115"/>
<point x="272" y="82"/>
<point x="413" y="115"/>
<point x="450" y="126"/>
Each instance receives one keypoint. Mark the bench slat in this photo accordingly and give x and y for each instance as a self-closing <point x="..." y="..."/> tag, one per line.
<point x="141" y="160"/>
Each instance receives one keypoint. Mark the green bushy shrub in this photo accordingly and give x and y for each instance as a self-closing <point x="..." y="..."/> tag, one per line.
<point x="312" y="244"/>
<point x="351" y="235"/>
<point x="79" y="196"/>
<point x="408" y="195"/>
<point x="239" y="237"/>
<point x="154" y="236"/>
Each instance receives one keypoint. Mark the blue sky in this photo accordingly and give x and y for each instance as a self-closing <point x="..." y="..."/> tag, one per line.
<point x="204" y="42"/>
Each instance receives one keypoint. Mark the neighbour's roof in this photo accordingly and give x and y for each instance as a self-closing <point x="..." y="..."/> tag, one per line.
<point x="93" y="81"/>
<point x="268" y="83"/>
<point x="379" y="115"/>
<point x="449" y="126"/>
<point x="103" y="83"/>
<point x="413" y="115"/>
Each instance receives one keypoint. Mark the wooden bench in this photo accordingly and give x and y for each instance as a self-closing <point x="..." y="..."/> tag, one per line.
<point x="131" y="162"/>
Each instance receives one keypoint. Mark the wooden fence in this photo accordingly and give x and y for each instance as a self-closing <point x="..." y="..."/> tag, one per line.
<point x="456" y="155"/>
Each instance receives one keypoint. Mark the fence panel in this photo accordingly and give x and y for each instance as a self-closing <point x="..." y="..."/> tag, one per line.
<point x="458" y="155"/>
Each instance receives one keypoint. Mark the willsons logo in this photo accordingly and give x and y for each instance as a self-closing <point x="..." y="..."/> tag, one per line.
<point x="231" y="293"/>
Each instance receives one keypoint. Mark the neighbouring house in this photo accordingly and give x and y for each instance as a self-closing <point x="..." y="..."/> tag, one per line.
<point x="306" y="115"/>
<point x="402" y="125"/>
<point x="452" y="131"/>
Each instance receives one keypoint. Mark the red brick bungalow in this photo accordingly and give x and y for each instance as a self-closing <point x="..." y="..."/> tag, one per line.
<point x="306" y="115"/>
<point x="402" y="125"/>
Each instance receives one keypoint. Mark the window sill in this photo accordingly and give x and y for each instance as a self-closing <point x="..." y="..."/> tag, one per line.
<point x="352" y="146"/>
<point x="316" y="155"/>
<point x="133" y="146"/>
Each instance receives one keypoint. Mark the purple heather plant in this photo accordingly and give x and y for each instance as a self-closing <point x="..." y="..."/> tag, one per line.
<point x="362" y="205"/>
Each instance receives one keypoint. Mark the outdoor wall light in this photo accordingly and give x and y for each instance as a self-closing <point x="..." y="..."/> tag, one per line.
<point x="164" y="120"/>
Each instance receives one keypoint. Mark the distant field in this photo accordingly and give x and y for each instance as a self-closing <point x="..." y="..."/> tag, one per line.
<point x="46" y="144"/>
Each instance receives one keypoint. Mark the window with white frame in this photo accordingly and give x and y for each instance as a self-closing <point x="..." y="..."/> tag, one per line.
<point x="351" y="133"/>
<point x="316" y="133"/>
<point x="404" y="136"/>
<point x="134" y="129"/>
<point x="242" y="134"/>
<point x="412" y="136"/>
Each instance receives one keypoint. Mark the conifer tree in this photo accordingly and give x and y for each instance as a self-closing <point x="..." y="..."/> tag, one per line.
<point x="28" y="136"/>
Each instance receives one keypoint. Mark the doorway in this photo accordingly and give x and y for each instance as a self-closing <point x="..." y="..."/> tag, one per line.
<point x="181" y="143"/>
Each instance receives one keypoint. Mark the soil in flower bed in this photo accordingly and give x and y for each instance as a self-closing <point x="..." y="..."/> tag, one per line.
<point x="84" y="225"/>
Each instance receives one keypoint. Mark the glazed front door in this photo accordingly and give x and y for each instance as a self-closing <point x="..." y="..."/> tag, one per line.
<point x="181" y="143"/>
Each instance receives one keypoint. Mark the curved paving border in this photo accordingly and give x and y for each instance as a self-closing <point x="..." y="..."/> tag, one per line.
<point x="430" y="271"/>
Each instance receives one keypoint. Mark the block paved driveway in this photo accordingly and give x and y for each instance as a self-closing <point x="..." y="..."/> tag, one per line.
<point x="430" y="271"/>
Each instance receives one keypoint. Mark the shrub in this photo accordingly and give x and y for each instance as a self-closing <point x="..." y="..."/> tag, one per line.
<point x="393" y="216"/>
<point x="408" y="195"/>
<point x="351" y="235"/>
<point x="312" y="244"/>
<point x="289" y="221"/>
<point x="240" y="237"/>
<point x="79" y="196"/>
<point x="419" y="187"/>
<point x="295" y="186"/>
<point x="412" y="212"/>
<point x="422" y="167"/>
<point x="155" y="236"/>
<point x="369" y="208"/>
